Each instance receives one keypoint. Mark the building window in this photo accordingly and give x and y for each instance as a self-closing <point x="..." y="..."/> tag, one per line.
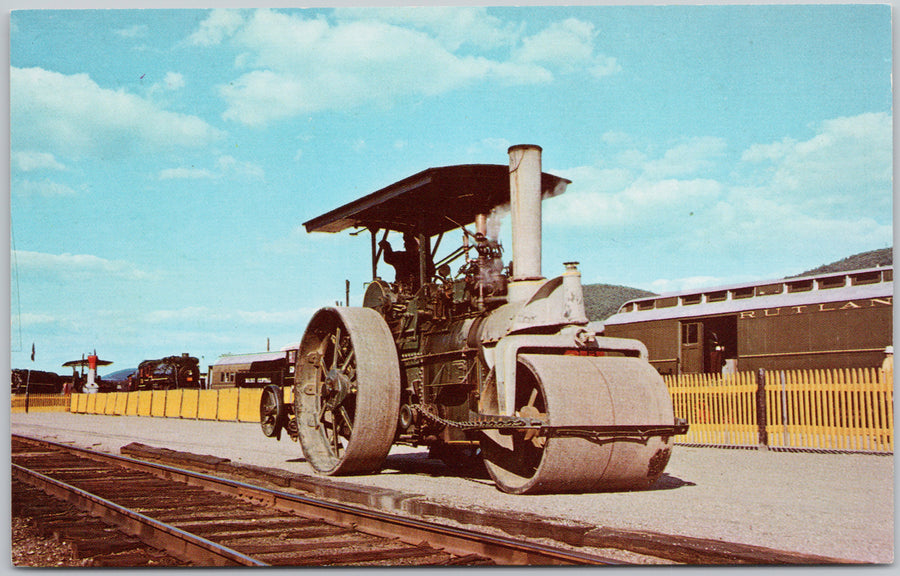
<point x="742" y="293"/>
<point x="833" y="282"/>
<point x="769" y="289"/>
<point x="719" y="296"/>
<point x="690" y="333"/>
<point x="800" y="286"/>
<point x="866" y="278"/>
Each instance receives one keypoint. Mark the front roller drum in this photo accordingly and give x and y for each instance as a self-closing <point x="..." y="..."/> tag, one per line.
<point x="582" y="391"/>
<point x="347" y="391"/>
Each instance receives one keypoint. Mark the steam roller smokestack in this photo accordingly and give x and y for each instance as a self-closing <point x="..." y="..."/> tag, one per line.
<point x="525" y="205"/>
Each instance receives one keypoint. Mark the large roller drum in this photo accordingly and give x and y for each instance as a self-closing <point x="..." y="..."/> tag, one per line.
<point x="347" y="391"/>
<point x="580" y="391"/>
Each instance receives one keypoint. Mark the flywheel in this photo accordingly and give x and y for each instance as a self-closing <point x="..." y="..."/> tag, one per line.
<point x="582" y="391"/>
<point x="347" y="393"/>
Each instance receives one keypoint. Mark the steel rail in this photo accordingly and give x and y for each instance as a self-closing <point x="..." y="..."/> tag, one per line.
<point x="458" y="541"/>
<point x="181" y="544"/>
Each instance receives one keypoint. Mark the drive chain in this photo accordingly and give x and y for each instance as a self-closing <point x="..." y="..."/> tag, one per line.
<point x="481" y="423"/>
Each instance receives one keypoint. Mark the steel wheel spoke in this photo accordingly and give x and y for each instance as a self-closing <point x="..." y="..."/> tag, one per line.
<point x="347" y="361"/>
<point x="320" y="418"/>
<point x="337" y="346"/>
<point x="335" y="436"/>
<point x="346" y="419"/>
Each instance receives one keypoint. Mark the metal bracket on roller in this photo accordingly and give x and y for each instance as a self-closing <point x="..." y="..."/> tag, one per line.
<point x="617" y="432"/>
<point x="497" y="422"/>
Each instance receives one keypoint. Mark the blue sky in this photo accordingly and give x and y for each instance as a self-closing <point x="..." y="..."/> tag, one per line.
<point x="162" y="162"/>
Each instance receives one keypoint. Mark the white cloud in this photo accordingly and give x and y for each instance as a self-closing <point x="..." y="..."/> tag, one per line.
<point x="173" y="81"/>
<point x="568" y="45"/>
<point x="28" y="319"/>
<point x="58" y="112"/>
<point x="838" y="175"/>
<point x="452" y="26"/>
<point x="203" y="314"/>
<point x="136" y="31"/>
<point x="30" y="160"/>
<point x="185" y="174"/>
<point x="296" y="65"/>
<point x="489" y="147"/>
<point x="76" y="265"/>
<point x="774" y="151"/>
<point x="220" y="24"/>
<point x="663" y="286"/>
<point x="45" y="187"/>
<point x="290" y="318"/>
<point x="696" y="156"/>
<point x="225" y="166"/>
<point x="229" y="165"/>
<point x="779" y="228"/>
<point x="307" y="65"/>
<point x="845" y="168"/>
<point x="643" y="205"/>
<point x="188" y="314"/>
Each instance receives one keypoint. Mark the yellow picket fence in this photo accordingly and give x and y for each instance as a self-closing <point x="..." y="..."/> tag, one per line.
<point x="226" y="404"/>
<point x="720" y="410"/>
<point x="39" y="403"/>
<point x="845" y="410"/>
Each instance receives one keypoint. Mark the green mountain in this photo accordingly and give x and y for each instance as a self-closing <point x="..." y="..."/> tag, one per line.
<point x="603" y="300"/>
<point x="870" y="259"/>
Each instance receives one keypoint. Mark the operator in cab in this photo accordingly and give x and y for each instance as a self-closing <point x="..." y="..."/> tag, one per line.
<point x="406" y="263"/>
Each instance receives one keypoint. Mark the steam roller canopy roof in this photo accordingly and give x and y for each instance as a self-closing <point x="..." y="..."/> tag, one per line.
<point x="431" y="202"/>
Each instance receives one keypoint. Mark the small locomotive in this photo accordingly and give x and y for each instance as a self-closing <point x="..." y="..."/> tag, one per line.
<point x="167" y="373"/>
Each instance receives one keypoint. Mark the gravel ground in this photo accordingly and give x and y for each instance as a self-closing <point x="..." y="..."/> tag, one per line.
<point x="835" y="505"/>
<point x="29" y="548"/>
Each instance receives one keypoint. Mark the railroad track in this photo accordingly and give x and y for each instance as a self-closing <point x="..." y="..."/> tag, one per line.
<point x="210" y="521"/>
<point x="54" y="532"/>
<point x="238" y="518"/>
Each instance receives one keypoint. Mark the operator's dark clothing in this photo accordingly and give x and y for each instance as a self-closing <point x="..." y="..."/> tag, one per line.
<point x="406" y="265"/>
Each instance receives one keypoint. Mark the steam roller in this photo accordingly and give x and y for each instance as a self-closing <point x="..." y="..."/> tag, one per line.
<point x="492" y="363"/>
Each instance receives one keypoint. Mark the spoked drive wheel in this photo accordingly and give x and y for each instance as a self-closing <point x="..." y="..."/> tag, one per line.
<point x="272" y="412"/>
<point x="580" y="391"/>
<point x="347" y="394"/>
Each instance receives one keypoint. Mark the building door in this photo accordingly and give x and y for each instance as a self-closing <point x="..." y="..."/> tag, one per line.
<point x="720" y="343"/>
<point x="691" y="347"/>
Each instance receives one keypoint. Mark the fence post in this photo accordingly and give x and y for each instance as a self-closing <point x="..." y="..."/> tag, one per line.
<point x="761" y="419"/>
